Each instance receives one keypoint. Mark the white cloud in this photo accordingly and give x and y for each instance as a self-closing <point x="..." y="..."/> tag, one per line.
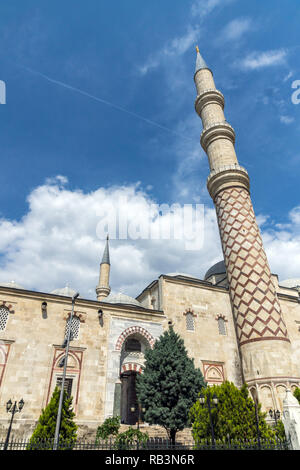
<point x="179" y="45"/>
<point x="286" y="119"/>
<point x="174" y="48"/>
<point x="56" y="242"/>
<point x="282" y="246"/>
<point x="235" y="29"/>
<point x="202" y="8"/>
<point x="257" y="60"/>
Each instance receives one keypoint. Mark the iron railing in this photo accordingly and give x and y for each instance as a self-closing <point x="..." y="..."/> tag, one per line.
<point x="151" y="444"/>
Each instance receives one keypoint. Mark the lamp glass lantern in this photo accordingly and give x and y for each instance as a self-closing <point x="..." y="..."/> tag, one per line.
<point x="202" y="399"/>
<point x="215" y="400"/>
<point x="21" y="404"/>
<point x="8" y="405"/>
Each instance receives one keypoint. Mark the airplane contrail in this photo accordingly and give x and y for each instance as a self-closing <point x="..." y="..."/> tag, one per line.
<point x="101" y="100"/>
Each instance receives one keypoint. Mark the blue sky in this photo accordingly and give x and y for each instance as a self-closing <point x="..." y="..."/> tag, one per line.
<point x="101" y="94"/>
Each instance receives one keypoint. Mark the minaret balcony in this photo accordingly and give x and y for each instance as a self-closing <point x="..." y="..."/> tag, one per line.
<point x="218" y="130"/>
<point x="209" y="96"/>
<point x="227" y="176"/>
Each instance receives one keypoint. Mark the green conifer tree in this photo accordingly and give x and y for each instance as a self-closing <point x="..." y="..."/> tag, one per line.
<point x="169" y="384"/>
<point x="45" y="428"/>
<point x="297" y="394"/>
<point x="233" y="417"/>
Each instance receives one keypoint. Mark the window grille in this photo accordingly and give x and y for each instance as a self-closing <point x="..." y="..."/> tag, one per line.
<point x="221" y="326"/>
<point x="190" y="323"/>
<point x="74" y="328"/>
<point x="67" y="385"/>
<point x="4" y="312"/>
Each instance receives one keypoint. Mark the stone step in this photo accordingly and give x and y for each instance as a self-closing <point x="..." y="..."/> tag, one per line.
<point x="155" y="431"/>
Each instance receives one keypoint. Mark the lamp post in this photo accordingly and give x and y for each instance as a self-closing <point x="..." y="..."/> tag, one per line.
<point x="209" y="405"/>
<point x="12" y="408"/>
<point x="257" y="424"/>
<point x="67" y="344"/>
<point x="274" y="414"/>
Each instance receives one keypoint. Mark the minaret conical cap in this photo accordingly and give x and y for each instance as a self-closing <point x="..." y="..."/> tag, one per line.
<point x="105" y="258"/>
<point x="200" y="62"/>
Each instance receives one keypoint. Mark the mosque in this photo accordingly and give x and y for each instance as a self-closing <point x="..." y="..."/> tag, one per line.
<point x="239" y="323"/>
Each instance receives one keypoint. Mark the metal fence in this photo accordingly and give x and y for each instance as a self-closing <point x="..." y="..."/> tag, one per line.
<point x="151" y="444"/>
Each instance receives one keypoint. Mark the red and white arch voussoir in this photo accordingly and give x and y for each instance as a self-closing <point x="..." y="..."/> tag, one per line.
<point x="131" y="331"/>
<point x="130" y="366"/>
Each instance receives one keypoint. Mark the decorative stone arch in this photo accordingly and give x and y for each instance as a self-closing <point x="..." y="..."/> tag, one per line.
<point x="79" y="315"/>
<point x="266" y="396"/>
<point x="191" y="311"/>
<point x="220" y="315"/>
<point x="189" y="319"/>
<point x="253" y="393"/>
<point x="7" y="305"/>
<point x="131" y="331"/>
<point x="214" y="374"/>
<point x="131" y="366"/>
<point x="73" y="361"/>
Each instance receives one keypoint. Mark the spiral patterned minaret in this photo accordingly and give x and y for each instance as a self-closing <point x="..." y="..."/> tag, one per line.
<point x="260" y="327"/>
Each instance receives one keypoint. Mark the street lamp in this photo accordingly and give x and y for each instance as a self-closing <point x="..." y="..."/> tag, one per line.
<point x="274" y="414"/>
<point x="209" y="405"/>
<point x="58" y="419"/>
<point x="257" y="423"/>
<point x="12" y="408"/>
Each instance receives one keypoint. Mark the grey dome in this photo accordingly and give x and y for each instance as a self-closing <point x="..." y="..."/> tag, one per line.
<point x="291" y="283"/>
<point x="121" y="299"/>
<point x="218" y="268"/>
<point x="66" y="291"/>
<point x="182" y="274"/>
<point x="11" y="284"/>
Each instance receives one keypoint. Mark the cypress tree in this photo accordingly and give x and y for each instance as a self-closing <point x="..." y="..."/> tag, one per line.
<point x="45" y="428"/>
<point x="234" y="415"/>
<point x="169" y="384"/>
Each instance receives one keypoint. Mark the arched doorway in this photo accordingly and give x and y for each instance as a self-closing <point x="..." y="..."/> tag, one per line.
<point x="129" y="402"/>
<point x="132" y="359"/>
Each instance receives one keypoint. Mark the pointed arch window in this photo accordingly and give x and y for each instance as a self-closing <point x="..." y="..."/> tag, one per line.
<point x="4" y="312"/>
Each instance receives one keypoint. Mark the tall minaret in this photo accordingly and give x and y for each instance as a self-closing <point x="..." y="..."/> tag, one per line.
<point x="103" y="289"/>
<point x="261" y="331"/>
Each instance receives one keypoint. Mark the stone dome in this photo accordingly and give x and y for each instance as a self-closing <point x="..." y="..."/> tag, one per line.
<point x="291" y="283"/>
<point x="121" y="299"/>
<point x="182" y="274"/>
<point x="66" y="291"/>
<point x="12" y="284"/>
<point x="218" y="268"/>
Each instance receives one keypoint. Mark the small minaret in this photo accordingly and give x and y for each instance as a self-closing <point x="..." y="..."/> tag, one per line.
<point x="103" y="289"/>
<point x="261" y="331"/>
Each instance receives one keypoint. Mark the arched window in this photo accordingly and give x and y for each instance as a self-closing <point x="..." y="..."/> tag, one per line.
<point x="132" y="344"/>
<point x="74" y="328"/>
<point x="189" y="319"/>
<point x="221" y="326"/>
<point x="4" y="312"/>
